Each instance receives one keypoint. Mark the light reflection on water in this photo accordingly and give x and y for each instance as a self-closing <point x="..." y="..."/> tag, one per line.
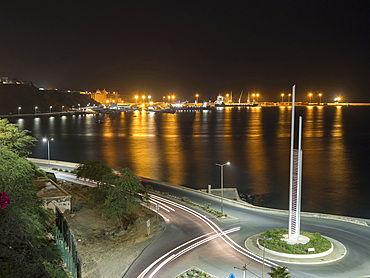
<point x="183" y="148"/>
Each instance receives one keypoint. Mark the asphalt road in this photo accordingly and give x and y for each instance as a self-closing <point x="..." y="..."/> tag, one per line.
<point x="218" y="258"/>
<point x="356" y="238"/>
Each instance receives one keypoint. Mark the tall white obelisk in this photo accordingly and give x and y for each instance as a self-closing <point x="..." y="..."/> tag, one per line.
<point x="295" y="180"/>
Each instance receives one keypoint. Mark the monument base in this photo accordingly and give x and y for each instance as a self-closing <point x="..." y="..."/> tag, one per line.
<point x="301" y="239"/>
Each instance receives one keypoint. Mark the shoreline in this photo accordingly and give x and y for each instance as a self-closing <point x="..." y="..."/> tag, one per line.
<point x="348" y="219"/>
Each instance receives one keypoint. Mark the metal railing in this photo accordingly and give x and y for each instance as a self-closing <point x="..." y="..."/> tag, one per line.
<point x="66" y="243"/>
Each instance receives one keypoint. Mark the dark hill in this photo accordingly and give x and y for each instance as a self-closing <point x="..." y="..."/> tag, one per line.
<point x="28" y="96"/>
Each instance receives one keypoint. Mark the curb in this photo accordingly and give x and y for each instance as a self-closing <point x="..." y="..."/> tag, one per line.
<point x="282" y="259"/>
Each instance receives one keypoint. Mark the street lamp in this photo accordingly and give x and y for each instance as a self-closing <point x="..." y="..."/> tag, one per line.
<point x="253" y="95"/>
<point x="136" y="97"/>
<point x="282" y="97"/>
<point x="36" y="109"/>
<point x="222" y="185"/>
<point x="149" y="97"/>
<point x="164" y="98"/>
<point x="48" y="140"/>
<point x="197" y="95"/>
<point x="173" y="98"/>
<point x="264" y="247"/>
<point x="50" y="108"/>
<point x="19" y="110"/>
<point x="62" y="107"/>
<point x="289" y="97"/>
<point x="310" y="95"/>
<point x="257" y="96"/>
<point x="320" y="95"/>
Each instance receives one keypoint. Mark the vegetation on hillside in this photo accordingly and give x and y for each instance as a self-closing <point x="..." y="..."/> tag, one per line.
<point x="119" y="193"/>
<point x="17" y="141"/>
<point x="26" y="243"/>
<point x="28" y="96"/>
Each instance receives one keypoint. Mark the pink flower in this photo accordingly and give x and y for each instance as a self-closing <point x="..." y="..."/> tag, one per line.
<point x="4" y="200"/>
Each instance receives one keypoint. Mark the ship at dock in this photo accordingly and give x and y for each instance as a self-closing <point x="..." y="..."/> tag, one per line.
<point x="228" y="101"/>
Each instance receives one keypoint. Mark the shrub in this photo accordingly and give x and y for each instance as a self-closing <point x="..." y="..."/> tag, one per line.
<point x="318" y="242"/>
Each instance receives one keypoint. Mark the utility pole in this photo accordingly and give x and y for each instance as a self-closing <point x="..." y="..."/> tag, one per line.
<point x="244" y="268"/>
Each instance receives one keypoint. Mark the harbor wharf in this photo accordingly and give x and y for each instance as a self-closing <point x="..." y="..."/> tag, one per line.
<point x="66" y="113"/>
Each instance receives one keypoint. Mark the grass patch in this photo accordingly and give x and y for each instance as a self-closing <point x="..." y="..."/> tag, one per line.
<point x="317" y="241"/>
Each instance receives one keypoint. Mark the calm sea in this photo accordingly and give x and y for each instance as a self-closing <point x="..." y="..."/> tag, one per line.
<point x="183" y="148"/>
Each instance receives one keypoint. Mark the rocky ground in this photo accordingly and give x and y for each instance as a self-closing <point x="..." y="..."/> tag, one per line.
<point x="104" y="249"/>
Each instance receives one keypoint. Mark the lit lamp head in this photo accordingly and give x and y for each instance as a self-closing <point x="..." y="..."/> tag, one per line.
<point x="228" y="163"/>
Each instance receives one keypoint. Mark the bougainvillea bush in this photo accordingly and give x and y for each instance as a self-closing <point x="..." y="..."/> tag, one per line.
<point x="4" y="200"/>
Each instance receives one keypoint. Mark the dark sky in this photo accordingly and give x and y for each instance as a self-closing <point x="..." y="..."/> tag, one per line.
<point x="188" y="47"/>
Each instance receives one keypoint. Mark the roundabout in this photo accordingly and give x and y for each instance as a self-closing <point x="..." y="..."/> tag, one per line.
<point x="335" y="253"/>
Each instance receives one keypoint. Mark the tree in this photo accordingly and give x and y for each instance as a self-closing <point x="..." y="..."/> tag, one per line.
<point x="17" y="141"/>
<point x="25" y="222"/>
<point x="124" y="191"/>
<point x="93" y="169"/>
<point x="279" y="272"/>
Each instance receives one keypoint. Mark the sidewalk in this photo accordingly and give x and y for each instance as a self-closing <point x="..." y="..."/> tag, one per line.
<point x="338" y="253"/>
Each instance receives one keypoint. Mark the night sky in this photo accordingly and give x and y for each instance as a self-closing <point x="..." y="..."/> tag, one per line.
<point x="188" y="47"/>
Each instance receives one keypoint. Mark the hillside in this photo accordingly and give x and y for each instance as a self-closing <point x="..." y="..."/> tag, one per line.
<point x="28" y="96"/>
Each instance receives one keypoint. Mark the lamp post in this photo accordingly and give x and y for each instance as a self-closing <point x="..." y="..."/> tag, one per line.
<point x="320" y="95"/>
<point x="62" y="108"/>
<point x="222" y="185"/>
<point x="257" y="96"/>
<point x="253" y="95"/>
<point x="289" y="97"/>
<point x="164" y="97"/>
<point x="282" y="97"/>
<point x="50" y="108"/>
<point x="173" y="98"/>
<point x="36" y="109"/>
<point x="197" y="95"/>
<point x="136" y="97"/>
<point x="264" y="247"/>
<point x="48" y="140"/>
<point x="149" y="97"/>
<point x="310" y="95"/>
<point x="19" y="110"/>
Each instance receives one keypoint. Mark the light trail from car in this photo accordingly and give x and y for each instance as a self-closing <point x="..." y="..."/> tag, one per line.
<point x="174" y="256"/>
<point x="217" y="229"/>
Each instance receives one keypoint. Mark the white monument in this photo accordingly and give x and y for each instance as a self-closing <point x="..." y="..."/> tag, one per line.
<point x="295" y="183"/>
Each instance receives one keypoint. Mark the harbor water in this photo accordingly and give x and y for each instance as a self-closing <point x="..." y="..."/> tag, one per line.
<point x="183" y="148"/>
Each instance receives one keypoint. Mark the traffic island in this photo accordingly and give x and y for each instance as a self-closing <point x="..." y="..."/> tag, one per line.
<point x="308" y="254"/>
<point x="196" y="273"/>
